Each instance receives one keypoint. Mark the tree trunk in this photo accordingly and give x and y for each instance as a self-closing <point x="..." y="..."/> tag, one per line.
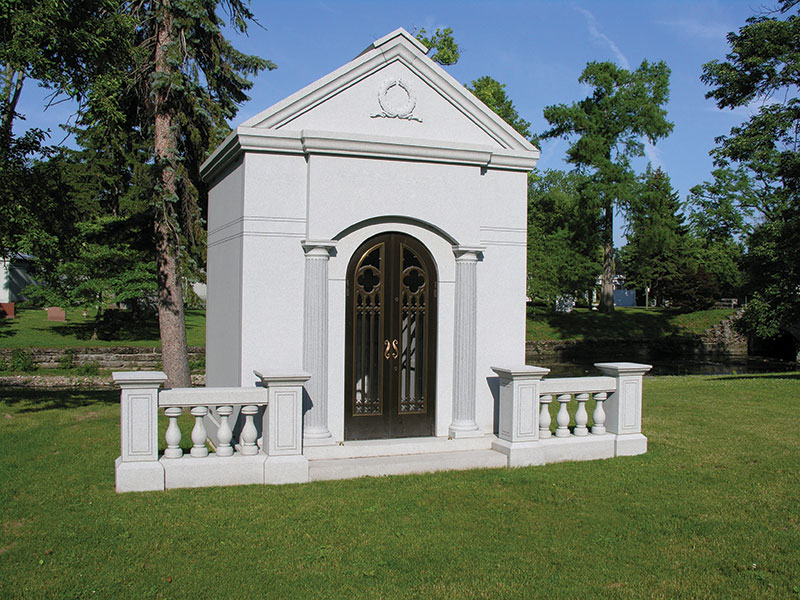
<point x="172" y="327"/>
<point x="607" y="281"/>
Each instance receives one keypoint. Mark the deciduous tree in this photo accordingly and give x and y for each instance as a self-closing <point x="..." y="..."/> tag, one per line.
<point x="493" y="94"/>
<point x="563" y="245"/>
<point x="762" y="71"/>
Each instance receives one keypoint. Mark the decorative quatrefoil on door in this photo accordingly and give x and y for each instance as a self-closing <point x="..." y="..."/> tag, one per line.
<point x="414" y="280"/>
<point x="368" y="279"/>
<point x="397" y="100"/>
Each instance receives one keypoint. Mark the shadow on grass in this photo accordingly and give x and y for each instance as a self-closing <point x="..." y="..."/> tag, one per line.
<point x="115" y="325"/>
<point x="35" y="399"/>
<point x="7" y="327"/>
<point x="789" y="375"/>
<point x="632" y="324"/>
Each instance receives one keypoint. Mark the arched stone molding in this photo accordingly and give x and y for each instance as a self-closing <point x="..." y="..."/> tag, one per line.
<point x="436" y="240"/>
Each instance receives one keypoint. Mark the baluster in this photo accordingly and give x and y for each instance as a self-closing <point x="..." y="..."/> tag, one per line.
<point x="247" y="438"/>
<point x="599" y="414"/>
<point x="581" y="417"/>
<point x="224" y="433"/>
<point x="173" y="436"/>
<point x="544" y="416"/>
<point x="562" y="418"/>
<point x="199" y="449"/>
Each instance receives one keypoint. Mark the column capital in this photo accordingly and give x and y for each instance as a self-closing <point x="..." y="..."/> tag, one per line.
<point x="468" y="253"/>
<point x="320" y="248"/>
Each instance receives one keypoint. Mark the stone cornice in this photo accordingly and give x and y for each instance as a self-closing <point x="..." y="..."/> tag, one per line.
<point x="307" y="142"/>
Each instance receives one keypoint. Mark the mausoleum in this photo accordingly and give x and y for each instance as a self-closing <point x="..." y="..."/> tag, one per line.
<point x="367" y="268"/>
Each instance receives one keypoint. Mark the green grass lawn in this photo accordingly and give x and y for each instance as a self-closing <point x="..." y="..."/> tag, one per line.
<point x="31" y="329"/>
<point x="711" y="511"/>
<point x="623" y="323"/>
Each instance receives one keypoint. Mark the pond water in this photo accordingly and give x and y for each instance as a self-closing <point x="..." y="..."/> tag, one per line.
<point x="678" y="365"/>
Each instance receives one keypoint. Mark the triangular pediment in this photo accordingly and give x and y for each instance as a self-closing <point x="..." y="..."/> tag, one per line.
<point x="393" y="90"/>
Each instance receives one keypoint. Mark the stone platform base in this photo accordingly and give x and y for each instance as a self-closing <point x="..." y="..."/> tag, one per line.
<point x="372" y="458"/>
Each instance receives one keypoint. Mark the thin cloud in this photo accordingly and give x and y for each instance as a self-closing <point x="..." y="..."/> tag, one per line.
<point x="694" y="28"/>
<point x="594" y="30"/>
<point x="653" y="154"/>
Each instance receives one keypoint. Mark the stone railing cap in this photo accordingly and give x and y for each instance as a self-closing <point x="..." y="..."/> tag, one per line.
<point x="520" y="371"/>
<point x="623" y="367"/>
<point x="139" y="377"/>
<point x="281" y="376"/>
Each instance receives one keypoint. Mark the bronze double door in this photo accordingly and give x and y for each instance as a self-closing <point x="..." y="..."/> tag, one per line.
<point x="390" y="348"/>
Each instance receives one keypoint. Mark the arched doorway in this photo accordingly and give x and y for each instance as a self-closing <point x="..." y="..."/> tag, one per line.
<point x="390" y="344"/>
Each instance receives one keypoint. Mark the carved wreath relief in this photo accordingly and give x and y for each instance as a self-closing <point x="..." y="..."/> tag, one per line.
<point x="397" y="100"/>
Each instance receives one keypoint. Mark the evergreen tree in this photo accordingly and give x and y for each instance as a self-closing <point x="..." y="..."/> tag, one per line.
<point x="161" y="106"/>
<point x="657" y="251"/>
<point x="624" y="107"/>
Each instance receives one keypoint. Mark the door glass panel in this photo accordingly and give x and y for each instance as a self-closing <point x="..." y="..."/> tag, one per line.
<point x="413" y="297"/>
<point x="368" y="332"/>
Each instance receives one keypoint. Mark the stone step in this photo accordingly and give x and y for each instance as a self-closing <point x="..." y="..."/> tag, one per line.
<point x="377" y="466"/>
<point x="395" y="447"/>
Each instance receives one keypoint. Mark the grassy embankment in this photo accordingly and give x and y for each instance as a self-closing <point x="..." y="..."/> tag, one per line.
<point x="709" y="512"/>
<point x="622" y="324"/>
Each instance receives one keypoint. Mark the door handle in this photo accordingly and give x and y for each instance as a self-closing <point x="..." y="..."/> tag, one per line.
<point x="395" y="348"/>
<point x="387" y="345"/>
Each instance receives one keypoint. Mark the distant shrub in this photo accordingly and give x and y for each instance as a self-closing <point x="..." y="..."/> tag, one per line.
<point x="89" y="368"/>
<point x="3" y="364"/>
<point x="21" y="361"/>
<point x="67" y="360"/>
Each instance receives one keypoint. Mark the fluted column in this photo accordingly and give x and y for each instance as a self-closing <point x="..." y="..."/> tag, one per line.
<point x="465" y="342"/>
<point x="315" y="340"/>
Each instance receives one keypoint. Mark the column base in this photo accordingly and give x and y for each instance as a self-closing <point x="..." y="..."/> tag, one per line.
<point x="317" y="441"/>
<point x="318" y="437"/>
<point x="467" y="431"/>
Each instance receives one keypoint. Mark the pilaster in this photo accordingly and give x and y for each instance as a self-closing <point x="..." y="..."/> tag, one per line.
<point x="315" y="340"/>
<point x="465" y="342"/>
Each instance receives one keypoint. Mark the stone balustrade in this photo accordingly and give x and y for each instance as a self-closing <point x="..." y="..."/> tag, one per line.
<point x="540" y="421"/>
<point x="274" y="409"/>
<point x="529" y="435"/>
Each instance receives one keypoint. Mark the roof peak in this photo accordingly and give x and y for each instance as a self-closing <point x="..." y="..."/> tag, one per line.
<point x="400" y="32"/>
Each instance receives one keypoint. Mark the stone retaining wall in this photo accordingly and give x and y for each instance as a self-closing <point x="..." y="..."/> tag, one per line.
<point x="720" y="340"/>
<point x="125" y="358"/>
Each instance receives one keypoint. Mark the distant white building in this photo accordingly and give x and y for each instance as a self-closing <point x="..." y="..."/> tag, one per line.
<point x="14" y="277"/>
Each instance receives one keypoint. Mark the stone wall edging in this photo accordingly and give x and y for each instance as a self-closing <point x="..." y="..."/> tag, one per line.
<point x="111" y="357"/>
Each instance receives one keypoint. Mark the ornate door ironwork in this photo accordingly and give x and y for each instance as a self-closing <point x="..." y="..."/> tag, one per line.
<point x="390" y="348"/>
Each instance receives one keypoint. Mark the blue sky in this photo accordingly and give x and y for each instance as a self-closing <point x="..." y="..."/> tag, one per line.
<point x="537" y="48"/>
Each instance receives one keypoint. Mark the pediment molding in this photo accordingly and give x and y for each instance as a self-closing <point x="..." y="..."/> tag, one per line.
<point x="270" y="130"/>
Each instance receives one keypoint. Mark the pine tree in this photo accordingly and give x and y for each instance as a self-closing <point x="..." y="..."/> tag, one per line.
<point x="625" y="107"/>
<point x="167" y="100"/>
